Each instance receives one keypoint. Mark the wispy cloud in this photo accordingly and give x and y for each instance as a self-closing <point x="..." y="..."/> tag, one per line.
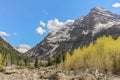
<point x="40" y="31"/>
<point x="42" y="23"/>
<point x="45" y="12"/>
<point x="15" y="33"/>
<point x="3" y="34"/>
<point x="116" y="5"/>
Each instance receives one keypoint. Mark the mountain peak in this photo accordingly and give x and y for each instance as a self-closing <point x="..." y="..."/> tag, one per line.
<point x="81" y="32"/>
<point x="99" y="10"/>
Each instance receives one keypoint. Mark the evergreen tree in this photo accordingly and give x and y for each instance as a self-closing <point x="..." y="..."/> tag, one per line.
<point x="50" y="61"/>
<point x="36" y="62"/>
<point x="26" y="61"/>
<point x="58" y="59"/>
<point x="40" y="63"/>
<point x="63" y="56"/>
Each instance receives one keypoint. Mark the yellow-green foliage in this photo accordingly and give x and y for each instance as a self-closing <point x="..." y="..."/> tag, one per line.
<point x="103" y="55"/>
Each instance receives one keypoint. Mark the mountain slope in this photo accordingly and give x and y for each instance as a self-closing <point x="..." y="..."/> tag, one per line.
<point x="85" y="29"/>
<point x="8" y="54"/>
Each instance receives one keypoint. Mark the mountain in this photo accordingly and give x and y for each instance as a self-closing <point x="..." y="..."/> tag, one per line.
<point x="22" y="48"/>
<point x="8" y="55"/>
<point x="82" y="31"/>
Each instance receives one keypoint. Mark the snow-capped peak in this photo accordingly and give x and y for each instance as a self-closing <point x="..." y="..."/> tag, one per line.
<point x="98" y="27"/>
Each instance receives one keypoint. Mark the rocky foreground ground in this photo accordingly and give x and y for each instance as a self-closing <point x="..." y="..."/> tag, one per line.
<point x="10" y="73"/>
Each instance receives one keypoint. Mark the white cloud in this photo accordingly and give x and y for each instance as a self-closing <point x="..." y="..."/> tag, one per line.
<point x="23" y="48"/>
<point x="116" y="5"/>
<point x="3" y="34"/>
<point x="42" y="23"/>
<point x="40" y="31"/>
<point x="69" y="20"/>
<point x="14" y="33"/>
<point x="56" y="24"/>
<point x="52" y="25"/>
<point x="45" y="13"/>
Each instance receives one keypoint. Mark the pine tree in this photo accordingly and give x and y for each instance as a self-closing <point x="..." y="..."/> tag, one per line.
<point x="63" y="56"/>
<point x="26" y="61"/>
<point x="50" y="61"/>
<point x="36" y="62"/>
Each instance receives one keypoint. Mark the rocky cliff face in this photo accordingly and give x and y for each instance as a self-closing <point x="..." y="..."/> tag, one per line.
<point x="81" y="32"/>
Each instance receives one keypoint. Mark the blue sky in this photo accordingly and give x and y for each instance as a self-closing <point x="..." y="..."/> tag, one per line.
<point x="29" y="21"/>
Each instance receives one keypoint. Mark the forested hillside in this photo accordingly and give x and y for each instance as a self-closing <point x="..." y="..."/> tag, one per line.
<point x="8" y="55"/>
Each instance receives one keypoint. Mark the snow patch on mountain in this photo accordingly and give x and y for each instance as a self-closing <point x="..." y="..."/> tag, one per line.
<point x="60" y="35"/>
<point x="98" y="27"/>
<point x="108" y="15"/>
<point x="23" y="48"/>
<point x="85" y="32"/>
<point x="53" y="49"/>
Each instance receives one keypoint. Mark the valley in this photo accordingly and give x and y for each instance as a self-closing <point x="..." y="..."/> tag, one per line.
<point x="84" y="49"/>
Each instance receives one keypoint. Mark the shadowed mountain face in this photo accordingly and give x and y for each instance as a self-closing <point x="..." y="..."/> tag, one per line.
<point x="81" y="32"/>
<point x="8" y="55"/>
